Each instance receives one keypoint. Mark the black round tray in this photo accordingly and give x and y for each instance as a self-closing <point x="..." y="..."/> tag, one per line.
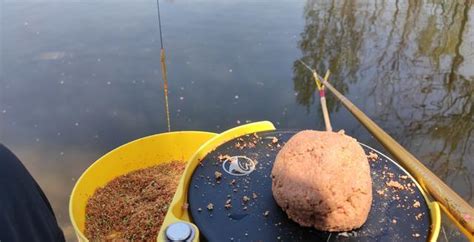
<point x="394" y="216"/>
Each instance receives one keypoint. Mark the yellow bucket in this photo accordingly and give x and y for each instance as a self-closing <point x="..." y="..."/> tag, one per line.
<point x="138" y="154"/>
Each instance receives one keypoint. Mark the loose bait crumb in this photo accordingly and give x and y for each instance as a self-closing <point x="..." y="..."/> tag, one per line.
<point x="275" y="140"/>
<point x="228" y="204"/>
<point x="416" y="235"/>
<point x="132" y="206"/>
<point x="266" y="213"/>
<point x="210" y="206"/>
<point x="416" y="204"/>
<point x="218" y="175"/>
<point x="372" y="156"/>
<point x="395" y="184"/>
<point x="245" y="199"/>
<point x="223" y="157"/>
<point x="254" y="195"/>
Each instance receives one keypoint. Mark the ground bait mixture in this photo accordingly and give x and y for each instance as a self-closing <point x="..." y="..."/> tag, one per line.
<point x="133" y="206"/>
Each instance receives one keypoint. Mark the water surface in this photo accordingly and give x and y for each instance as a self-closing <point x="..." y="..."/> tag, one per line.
<point x="79" y="78"/>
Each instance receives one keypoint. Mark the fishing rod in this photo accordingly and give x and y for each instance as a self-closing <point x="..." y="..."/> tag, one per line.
<point x="163" y="68"/>
<point x="322" y="96"/>
<point x="457" y="209"/>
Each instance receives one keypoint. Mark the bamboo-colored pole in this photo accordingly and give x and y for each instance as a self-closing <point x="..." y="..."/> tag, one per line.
<point x="165" y="87"/>
<point x="322" y="97"/>
<point x="456" y="207"/>
<point x="322" y="94"/>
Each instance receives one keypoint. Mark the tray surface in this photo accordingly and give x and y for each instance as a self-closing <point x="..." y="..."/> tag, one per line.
<point x="396" y="214"/>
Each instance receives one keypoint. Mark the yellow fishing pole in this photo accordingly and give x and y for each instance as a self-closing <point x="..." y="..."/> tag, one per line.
<point x="457" y="209"/>
<point x="163" y="69"/>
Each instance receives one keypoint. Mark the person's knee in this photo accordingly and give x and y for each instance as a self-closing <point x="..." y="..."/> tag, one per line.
<point x="5" y="152"/>
<point x="8" y="159"/>
<point x="3" y="148"/>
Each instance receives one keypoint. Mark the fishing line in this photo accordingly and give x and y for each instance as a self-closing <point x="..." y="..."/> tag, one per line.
<point x="163" y="68"/>
<point x="159" y="22"/>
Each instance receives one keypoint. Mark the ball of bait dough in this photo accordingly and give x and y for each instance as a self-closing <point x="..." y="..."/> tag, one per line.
<point x="322" y="180"/>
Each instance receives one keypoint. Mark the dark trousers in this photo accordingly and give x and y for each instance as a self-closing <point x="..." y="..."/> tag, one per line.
<point x="25" y="213"/>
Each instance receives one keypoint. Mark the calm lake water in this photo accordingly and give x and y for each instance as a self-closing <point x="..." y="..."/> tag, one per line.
<point x="79" y="78"/>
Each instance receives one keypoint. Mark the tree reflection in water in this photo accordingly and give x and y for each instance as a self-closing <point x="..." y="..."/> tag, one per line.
<point x="409" y="66"/>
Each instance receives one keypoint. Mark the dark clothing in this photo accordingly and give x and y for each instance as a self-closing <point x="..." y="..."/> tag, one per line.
<point x="25" y="213"/>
